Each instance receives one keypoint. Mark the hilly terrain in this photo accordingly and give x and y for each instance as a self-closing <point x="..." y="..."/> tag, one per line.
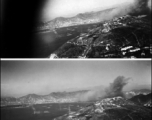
<point x="63" y="97"/>
<point x="135" y="92"/>
<point x="123" y="37"/>
<point x="55" y="97"/>
<point x="139" y="7"/>
<point x="116" y="108"/>
<point x="82" y="18"/>
<point x="66" y="106"/>
<point x="119" y="33"/>
<point x="110" y="108"/>
<point x="142" y="99"/>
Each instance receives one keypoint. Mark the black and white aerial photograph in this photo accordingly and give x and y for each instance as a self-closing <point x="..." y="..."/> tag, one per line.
<point x="76" y="29"/>
<point x="76" y="90"/>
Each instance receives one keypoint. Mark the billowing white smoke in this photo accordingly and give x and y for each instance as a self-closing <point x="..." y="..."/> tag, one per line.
<point x="117" y="12"/>
<point x="133" y="7"/>
<point x="91" y="95"/>
<point x="113" y="90"/>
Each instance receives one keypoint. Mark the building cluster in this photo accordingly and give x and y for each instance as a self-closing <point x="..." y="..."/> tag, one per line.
<point x="115" y="23"/>
<point x="109" y="103"/>
<point x="87" y="38"/>
<point x="71" y="22"/>
<point x="104" y="41"/>
<point x="53" y="56"/>
<point x="95" y="108"/>
<point x="100" y="106"/>
<point x="149" y="104"/>
<point x="131" y="51"/>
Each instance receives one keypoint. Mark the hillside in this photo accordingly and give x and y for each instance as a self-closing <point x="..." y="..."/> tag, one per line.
<point x="55" y="97"/>
<point x="132" y="93"/>
<point x="140" y="7"/>
<point x="82" y="18"/>
<point x="116" y="108"/>
<point x="67" y="97"/>
<point x="141" y="99"/>
<point x="122" y="37"/>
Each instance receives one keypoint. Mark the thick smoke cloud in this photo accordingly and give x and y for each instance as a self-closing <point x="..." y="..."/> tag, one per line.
<point x="142" y="5"/>
<point x="117" y="12"/>
<point x="113" y="90"/>
<point x="136" y="7"/>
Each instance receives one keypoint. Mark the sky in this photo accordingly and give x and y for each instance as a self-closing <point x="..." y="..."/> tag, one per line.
<point x="19" y="78"/>
<point x="69" y="8"/>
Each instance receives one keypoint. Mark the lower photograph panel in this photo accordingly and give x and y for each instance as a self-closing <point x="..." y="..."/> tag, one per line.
<point x="76" y="90"/>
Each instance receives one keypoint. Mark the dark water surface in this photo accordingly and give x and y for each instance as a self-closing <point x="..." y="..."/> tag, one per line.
<point x="47" y="42"/>
<point x="45" y="111"/>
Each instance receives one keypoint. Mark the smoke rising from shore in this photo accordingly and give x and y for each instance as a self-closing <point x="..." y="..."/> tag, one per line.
<point x="136" y="6"/>
<point x="113" y="90"/>
<point x="57" y="8"/>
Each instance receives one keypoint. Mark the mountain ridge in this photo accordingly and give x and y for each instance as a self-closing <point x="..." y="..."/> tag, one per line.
<point x="79" y="19"/>
<point x="59" y="97"/>
<point x="98" y="16"/>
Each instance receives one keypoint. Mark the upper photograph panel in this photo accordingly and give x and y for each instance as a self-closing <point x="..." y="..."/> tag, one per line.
<point x="88" y="29"/>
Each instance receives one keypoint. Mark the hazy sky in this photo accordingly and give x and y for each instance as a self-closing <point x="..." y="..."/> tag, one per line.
<point x="69" y="8"/>
<point x="19" y="78"/>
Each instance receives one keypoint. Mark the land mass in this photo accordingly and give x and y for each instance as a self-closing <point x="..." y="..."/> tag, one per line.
<point x="60" y="97"/>
<point x="124" y="37"/>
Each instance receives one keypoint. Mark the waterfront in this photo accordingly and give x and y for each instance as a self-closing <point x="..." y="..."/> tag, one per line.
<point x="47" y="42"/>
<point x="39" y="112"/>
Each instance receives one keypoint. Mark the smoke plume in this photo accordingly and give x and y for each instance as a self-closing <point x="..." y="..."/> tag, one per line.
<point x="135" y="7"/>
<point x="113" y="90"/>
<point x="117" y="12"/>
